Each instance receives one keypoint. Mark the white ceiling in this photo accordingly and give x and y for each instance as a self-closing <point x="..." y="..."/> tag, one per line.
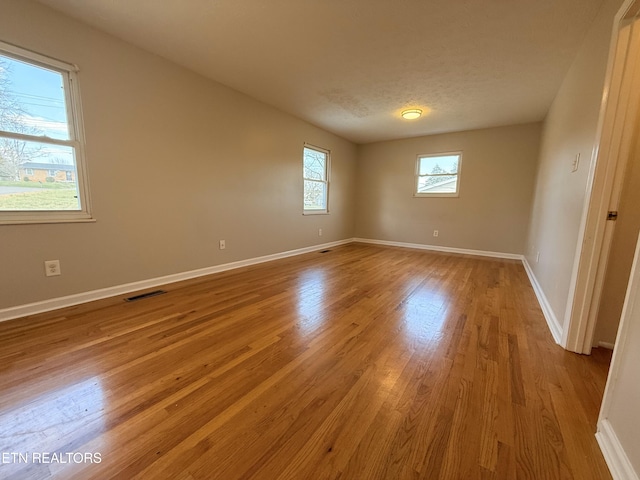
<point x="351" y="66"/>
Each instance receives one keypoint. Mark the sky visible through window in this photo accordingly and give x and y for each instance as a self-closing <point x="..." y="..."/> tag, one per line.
<point x="439" y="165"/>
<point x="38" y="98"/>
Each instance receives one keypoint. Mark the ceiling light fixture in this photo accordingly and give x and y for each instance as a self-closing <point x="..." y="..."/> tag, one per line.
<point x="411" y="114"/>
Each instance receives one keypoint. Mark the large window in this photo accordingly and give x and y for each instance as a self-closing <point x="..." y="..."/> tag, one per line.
<point x="42" y="171"/>
<point x="316" y="179"/>
<point x="438" y="175"/>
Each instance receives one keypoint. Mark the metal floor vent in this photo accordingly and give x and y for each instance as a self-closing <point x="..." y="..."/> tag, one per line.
<point x="144" y="295"/>
<point x="325" y="251"/>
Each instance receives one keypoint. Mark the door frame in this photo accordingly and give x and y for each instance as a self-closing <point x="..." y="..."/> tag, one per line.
<point x="617" y="124"/>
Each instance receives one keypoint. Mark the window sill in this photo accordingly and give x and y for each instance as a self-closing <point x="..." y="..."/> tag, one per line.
<point x="427" y="195"/>
<point x="315" y="212"/>
<point x="30" y="220"/>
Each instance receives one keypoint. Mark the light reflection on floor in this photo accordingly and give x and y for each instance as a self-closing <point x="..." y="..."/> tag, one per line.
<point x="311" y="300"/>
<point x="424" y="313"/>
<point x="48" y="421"/>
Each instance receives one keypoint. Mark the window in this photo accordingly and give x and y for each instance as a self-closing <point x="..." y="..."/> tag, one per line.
<point x="316" y="179"/>
<point x="41" y="133"/>
<point x="438" y="175"/>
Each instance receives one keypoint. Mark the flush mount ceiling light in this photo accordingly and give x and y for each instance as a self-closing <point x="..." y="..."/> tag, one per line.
<point x="411" y="114"/>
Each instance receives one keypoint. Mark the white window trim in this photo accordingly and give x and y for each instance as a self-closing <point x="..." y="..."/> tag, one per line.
<point x="76" y="140"/>
<point x="324" y="211"/>
<point x="417" y="175"/>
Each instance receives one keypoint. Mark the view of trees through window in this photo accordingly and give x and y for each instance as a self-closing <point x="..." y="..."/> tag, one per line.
<point x="315" y="166"/>
<point x="37" y="157"/>
<point x="437" y="174"/>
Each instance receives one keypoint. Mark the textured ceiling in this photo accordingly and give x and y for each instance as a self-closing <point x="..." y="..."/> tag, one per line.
<point x="351" y="66"/>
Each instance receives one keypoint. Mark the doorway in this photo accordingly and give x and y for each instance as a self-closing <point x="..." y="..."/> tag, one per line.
<point x="620" y="258"/>
<point x="610" y="186"/>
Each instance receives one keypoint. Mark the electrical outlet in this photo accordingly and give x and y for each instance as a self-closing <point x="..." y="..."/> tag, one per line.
<point x="435" y="233"/>
<point x="52" y="268"/>
<point x="319" y="232"/>
<point x="223" y="245"/>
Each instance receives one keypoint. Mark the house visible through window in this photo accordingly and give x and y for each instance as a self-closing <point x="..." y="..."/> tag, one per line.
<point x="438" y="175"/>
<point x="316" y="179"/>
<point x="42" y="171"/>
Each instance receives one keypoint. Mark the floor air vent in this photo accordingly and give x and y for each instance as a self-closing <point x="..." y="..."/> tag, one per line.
<point x="325" y="251"/>
<point x="144" y="295"/>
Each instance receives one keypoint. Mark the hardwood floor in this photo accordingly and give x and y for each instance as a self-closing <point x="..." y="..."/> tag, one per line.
<point x="364" y="362"/>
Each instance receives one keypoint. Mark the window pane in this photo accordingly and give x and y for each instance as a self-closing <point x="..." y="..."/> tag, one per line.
<point x="37" y="176"/>
<point x="439" y="184"/>
<point x="438" y="165"/>
<point x="314" y="164"/>
<point x="32" y="100"/>
<point x="315" y="195"/>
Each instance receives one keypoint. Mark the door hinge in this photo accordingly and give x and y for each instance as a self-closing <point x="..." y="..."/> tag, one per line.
<point x="612" y="216"/>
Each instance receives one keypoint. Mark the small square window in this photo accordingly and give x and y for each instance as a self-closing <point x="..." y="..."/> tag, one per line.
<point x="438" y="175"/>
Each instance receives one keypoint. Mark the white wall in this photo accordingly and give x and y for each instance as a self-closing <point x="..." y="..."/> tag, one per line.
<point x="569" y="129"/>
<point x="176" y="162"/>
<point x="496" y="186"/>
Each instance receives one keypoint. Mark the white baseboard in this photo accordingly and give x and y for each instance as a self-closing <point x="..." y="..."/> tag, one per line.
<point x="438" y="248"/>
<point x="76" y="299"/>
<point x="614" y="454"/>
<point x="607" y="345"/>
<point x="549" y="316"/>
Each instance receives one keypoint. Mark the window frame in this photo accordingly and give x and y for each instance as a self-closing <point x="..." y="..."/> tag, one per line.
<point x="76" y="140"/>
<point x="326" y="181"/>
<point x="417" y="175"/>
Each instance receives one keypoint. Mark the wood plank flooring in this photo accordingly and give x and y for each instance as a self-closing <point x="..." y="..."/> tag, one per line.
<point x="364" y="362"/>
